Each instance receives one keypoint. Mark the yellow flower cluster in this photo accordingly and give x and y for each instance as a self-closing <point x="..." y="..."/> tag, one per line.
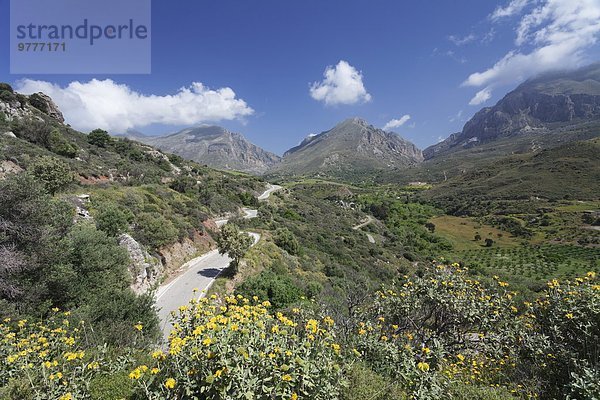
<point x="229" y="343"/>
<point x="48" y="355"/>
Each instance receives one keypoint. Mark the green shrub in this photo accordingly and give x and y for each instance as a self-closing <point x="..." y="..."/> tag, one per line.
<point x="61" y="146"/>
<point x="112" y="220"/>
<point x="52" y="172"/>
<point x="32" y="130"/>
<point x="286" y="240"/>
<point x="154" y="230"/>
<point x="278" y="289"/>
<point x="114" y="386"/>
<point x="364" y="384"/>
<point x="5" y="87"/>
<point x="460" y="391"/>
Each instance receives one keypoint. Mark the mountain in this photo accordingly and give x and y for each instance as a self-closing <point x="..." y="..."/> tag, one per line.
<point x="214" y="146"/>
<point x="534" y="112"/>
<point x="353" y="148"/>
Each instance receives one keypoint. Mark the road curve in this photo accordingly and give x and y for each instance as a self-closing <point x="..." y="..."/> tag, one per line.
<point x="200" y="273"/>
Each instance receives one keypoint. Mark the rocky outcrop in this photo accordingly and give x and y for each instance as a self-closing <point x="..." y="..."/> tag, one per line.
<point x="17" y="106"/>
<point x="145" y="269"/>
<point x="8" y="167"/>
<point x="45" y="104"/>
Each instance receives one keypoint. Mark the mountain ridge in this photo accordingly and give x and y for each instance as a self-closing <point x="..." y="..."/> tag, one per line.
<point x="214" y="146"/>
<point x="537" y="106"/>
<point x="353" y="146"/>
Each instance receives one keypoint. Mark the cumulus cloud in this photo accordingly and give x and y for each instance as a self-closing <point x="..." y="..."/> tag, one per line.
<point x="116" y="107"/>
<point x="557" y="34"/>
<point x="342" y="85"/>
<point x="481" y="97"/>
<point x="395" y="123"/>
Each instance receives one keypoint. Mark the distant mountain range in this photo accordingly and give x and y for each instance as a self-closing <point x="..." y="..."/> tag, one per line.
<point x="542" y="113"/>
<point x="351" y="148"/>
<point x="214" y="146"/>
<point x="544" y="105"/>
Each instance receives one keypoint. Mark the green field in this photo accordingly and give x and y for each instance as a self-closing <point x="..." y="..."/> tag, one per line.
<point x="460" y="232"/>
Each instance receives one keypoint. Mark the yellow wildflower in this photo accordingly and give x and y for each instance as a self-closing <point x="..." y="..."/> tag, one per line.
<point x="170" y="383"/>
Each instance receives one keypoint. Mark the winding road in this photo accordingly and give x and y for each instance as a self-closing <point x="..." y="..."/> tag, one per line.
<point x="200" y="273"/>
<point x="369" y="219"/>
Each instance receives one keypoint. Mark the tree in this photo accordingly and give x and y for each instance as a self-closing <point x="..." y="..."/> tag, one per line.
<point x="489" y="242"/>
<point x="234" y="242"/>
<point x="477" y="237"/>
<point x="52" y="172"/>
<point x="99" y="137"/>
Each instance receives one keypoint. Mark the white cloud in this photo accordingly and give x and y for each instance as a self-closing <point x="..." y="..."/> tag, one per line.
<point x="342" y="85"/>
<point x="513" y="8"/>
<point x="481" y="97"/>
<point x="558" y="32"/>
<point x="460" y="41"/>
<point x="395" y="123"/>
<point x="116" y="107"/>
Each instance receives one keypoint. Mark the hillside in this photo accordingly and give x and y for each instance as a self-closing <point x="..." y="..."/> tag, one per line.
<point x="353" y="149"/>
<point x="88" y="217"/>
<point x="536" y="109"/>
<point x="568" y="171"/>
<point x="213" y="146"/>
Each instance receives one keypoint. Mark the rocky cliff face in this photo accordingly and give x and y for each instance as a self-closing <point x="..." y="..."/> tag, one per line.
<point x="537" y="106"/>
<point x="214" y="146"/>
<point x="147" y="270"/>
<point x="353" y="146"/>
<point x="15" y="105"/>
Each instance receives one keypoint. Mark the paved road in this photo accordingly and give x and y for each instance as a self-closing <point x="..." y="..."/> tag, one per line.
<point x="200" y="273"/>
<point x="267" y="193"/>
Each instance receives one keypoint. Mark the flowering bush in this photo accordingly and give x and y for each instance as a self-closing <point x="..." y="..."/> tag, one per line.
<point x="236" y="348"/>
<point x="441" y="327"/>
<point x="564" y="350"/>
<point x="49" y="357"/>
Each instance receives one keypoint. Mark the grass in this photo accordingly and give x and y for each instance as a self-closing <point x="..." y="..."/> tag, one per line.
<point x="460" y="232"/>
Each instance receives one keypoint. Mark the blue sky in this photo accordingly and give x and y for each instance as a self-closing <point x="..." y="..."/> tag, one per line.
<point x="423" y="59"/>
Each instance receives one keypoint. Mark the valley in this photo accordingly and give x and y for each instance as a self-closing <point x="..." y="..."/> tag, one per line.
<point x="352" y="263"/>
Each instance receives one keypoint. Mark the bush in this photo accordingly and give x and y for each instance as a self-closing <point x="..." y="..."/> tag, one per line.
<point x="6" y="87"/>
<point x="363" y="383"/>
<point x="52" y="172"/>
<point x="62" y="366"/>
<point x="112" y="220"/>
<point x="286" y="240"/>
<point x="61" y="146"/>
<point x="32" y="130"/>
<point x="278" y="289"/>
<point x="115" y="386"/>
<point x="233" y="348"/>
<point x="566" y="333"/>
<point x="154" y="230"/>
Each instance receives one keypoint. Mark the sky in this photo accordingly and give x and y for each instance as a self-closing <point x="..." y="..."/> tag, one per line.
<point x="277" y="71"/>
